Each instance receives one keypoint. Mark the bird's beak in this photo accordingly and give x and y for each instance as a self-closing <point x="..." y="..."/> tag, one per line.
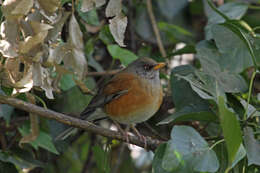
<point x="159" y="66"/>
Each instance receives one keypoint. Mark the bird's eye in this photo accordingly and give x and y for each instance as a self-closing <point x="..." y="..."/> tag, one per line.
<point x="147" y="67"/>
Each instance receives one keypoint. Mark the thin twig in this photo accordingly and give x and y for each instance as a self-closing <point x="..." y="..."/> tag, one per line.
<point x="103" y="73"/>
<point x="155" y="28"/>
<point x="75" y="122"/>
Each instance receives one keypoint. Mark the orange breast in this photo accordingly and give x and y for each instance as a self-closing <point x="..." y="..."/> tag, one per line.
<point x="139" y="98"/>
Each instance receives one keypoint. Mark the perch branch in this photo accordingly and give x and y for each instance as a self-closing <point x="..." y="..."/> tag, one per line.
<point x="75" y="122"/>
<point x="104" y="73"/>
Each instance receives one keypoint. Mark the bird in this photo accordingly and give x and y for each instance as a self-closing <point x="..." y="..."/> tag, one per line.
<point x="131" y="96"/>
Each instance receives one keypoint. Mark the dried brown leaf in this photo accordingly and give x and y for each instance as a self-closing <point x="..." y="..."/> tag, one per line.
<point x="7" y="8"/>
<point x="114" y="7"/>
<point x="57" y="53"/>
<point x="25" y="84"/>
<point x="31" y="42"/>
<point x="80" y="63"/>
<point x="117" y="27"/>
<point x="9" y="31"/>
<point x="34" y="123"/>
<point x="99" y="3"/>
<point x="7" y="49"/>
<point x="90" y="4"/>
<point x="47" y="83"/>
<point x="23" y="7"/>
<point x="49" y="6"/>
<point x="39" y="27"/>
<point x="9" y="34"/>
<point x="37" y="74"/>
<point x="75" y="34"/>
<point x="57" y="27"/>
<point x="11" y="68"/>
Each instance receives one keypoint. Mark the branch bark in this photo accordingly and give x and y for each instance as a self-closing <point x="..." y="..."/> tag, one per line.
<point x="152" y="144"/>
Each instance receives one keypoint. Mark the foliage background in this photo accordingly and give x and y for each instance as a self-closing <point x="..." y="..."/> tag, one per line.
<point x="54" y="53"/>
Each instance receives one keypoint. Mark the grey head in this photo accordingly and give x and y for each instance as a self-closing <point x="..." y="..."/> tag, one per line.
<point x="146" y="68"/>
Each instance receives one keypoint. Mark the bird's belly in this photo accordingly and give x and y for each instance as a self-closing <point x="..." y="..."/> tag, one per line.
<point x="134" y="107"/>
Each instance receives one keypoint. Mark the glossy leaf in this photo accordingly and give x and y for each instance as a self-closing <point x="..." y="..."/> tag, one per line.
<point x="233" y="10"/>
<point x="252" y="146"/>
<point x="226" y="40"/>
<point x="189" y="105"/>
<point x="218" y="66"/>
<point x="231" y="129"/>
<point x="187" y="148"/>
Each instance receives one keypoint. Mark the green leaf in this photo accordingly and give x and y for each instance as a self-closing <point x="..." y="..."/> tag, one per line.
<point x="231" y="129"/>
<point x="187" y="49"/>
<point x="190" y="113"/>
<point x="67" y="82"/>
<point x="188" y="149"/>
<point x="219" y="66"/>
<point x="124" y="55"/>
<point x="226" y="40"/>
<point x="241" y="153"/>
<point x="101" y="158"/>
<point x="175" y="33"/>
<point x="232" y="10"/>
<point x="252" y="111"/>
<point x="252" y="147"/>
<point x="188" y="103"/>
<point x="66" y="101"/>
<point x="43" y="140"/>
<point x="158" y="158"/>
<point x="105" y="35"/>
<point x="16" y="160"/>
<point x="91" y="17"/>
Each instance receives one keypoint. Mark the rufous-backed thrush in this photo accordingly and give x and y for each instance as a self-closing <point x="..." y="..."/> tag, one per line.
<point x="131" y="96"/>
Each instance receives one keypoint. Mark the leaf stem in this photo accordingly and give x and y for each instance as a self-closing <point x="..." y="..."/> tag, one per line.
<point x="216" y="10"/>
<point x="249" y="94"/>
<point x="216" y="143"/>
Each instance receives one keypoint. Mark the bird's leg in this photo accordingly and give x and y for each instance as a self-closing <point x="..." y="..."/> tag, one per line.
<point x="142" y="137"/>
<point x="122" y="131"/>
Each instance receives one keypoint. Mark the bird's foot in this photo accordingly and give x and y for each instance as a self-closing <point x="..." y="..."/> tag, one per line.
<point x="141" y="137"/>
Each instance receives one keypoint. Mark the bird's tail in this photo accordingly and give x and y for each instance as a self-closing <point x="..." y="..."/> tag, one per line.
<point x="89" y="114"/>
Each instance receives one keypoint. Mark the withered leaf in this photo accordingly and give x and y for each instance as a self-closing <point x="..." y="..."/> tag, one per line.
<point x="114" y="7"/>
<point x="23" y="7"/>
<point x="75" y="34"/>
<point x="117" y="27"/>
<point x="39" y="27"/>
<point x="32" y="41"/>
<point x="49" y="6"/>
<point x="90" y="4"/>
<point x="7" y="49"/>
<point x="9" y="31"/>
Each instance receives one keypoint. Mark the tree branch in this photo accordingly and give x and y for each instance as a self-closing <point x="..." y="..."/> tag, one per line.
<point x="104" y="73"/>
<point x="155" y="28"/>
<point x="75" y="122"/>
